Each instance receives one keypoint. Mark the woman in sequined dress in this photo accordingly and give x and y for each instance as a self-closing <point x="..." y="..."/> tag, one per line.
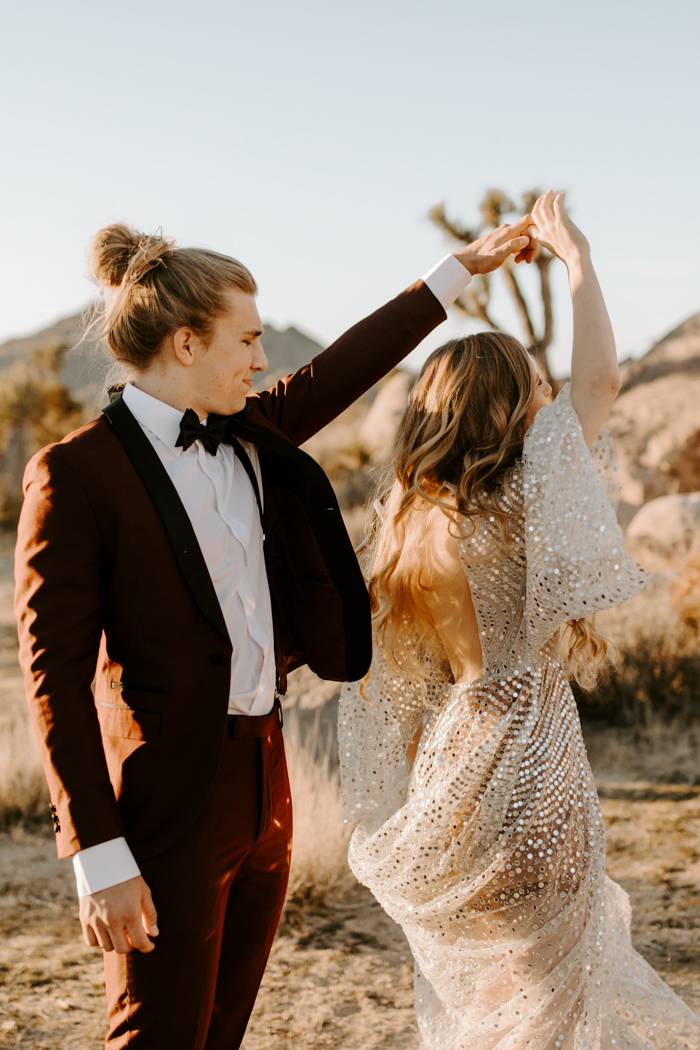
<point x="479" y="827"/>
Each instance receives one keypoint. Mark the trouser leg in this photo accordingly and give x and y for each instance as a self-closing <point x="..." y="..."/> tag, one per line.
<point x="163" y="1000"/>
<point x="254" y="906"/>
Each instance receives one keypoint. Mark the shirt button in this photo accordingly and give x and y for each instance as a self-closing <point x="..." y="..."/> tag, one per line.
<point x="219" y="659"/>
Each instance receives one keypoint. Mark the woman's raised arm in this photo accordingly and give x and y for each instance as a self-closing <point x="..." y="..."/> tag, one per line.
<point x="595" y="375"/>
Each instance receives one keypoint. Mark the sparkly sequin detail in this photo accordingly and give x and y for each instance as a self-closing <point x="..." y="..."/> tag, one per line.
<point x="490" y="852"/>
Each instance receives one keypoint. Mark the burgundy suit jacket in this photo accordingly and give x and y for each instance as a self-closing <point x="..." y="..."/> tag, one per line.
<point x="112" y="591"/>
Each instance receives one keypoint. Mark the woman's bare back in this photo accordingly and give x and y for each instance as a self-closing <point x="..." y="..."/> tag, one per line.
<point x="449" y="600"/>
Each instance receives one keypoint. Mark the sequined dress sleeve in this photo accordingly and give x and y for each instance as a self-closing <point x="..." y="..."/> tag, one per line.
<point x="576" y="562"/>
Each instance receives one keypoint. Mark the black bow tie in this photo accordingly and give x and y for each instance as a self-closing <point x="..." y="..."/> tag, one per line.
<point x="211" y="433"/>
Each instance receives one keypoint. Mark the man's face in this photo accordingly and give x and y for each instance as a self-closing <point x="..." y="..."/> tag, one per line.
<point x="222" y="376"/>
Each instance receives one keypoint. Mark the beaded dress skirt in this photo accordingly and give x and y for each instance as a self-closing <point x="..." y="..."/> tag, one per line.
<point x="490" y="852"/>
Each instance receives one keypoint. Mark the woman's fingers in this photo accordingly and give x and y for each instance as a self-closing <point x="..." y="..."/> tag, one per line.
<point x="543" y="206"/>
<point x="537" y="207"/>
<point x="547" y="215"/>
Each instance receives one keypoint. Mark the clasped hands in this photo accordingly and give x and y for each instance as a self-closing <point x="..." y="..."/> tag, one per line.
<point x="489" y="252"/>
<point x="548" y="224"/>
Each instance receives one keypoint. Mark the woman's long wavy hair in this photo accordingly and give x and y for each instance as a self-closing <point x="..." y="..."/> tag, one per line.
<point x="463" y="428"/>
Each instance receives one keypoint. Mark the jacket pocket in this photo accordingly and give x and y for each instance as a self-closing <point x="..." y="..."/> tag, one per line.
<point x="128" y="722"/>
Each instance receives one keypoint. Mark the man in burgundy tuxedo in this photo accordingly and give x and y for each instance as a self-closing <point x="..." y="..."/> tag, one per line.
<point x="185" y="568"/>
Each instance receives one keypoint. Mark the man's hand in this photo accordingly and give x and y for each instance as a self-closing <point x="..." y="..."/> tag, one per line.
<point x="491" y="250"/>
<point x="120" y="918"/>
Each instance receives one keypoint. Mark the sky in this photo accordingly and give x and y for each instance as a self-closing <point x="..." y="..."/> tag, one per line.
<point x="310" y="140"/>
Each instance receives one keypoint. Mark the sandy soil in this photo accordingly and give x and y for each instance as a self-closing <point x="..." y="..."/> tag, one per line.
<point x="340" y="974"/>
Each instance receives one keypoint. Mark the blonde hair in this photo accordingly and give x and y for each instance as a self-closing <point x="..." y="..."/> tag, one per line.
<point x="463" y="428"/>
<point x="151" y="288"/>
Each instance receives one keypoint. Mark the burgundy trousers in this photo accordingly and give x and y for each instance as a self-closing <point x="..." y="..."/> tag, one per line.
<point x="219" y="894"/>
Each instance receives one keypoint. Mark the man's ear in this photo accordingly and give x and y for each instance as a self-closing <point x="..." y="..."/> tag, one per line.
<point x="182" y="341"/>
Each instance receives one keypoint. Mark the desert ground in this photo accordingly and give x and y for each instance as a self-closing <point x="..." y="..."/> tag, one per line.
<point x="340" y="974"/>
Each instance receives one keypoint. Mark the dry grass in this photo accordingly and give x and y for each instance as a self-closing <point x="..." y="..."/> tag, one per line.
<point x="23" y="792"/>
<point x="660" y="752"/>
<point x="319" y="857"/>
<point x="685" y="593"/>
<point x="659" y="665"/>
<point x="24" y="795"/>
<point x="319" y="868"/>
<point x="642" y="722"/>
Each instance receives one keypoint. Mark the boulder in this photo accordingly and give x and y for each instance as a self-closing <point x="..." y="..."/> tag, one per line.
<point x="668" y="526"/>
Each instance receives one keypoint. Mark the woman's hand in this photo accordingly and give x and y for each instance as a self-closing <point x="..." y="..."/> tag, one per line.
<point x="491" y="251"/>
<point x="556" y="231"/>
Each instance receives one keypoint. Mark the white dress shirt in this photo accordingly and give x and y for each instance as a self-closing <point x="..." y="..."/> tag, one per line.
<point x="220" y="502"/>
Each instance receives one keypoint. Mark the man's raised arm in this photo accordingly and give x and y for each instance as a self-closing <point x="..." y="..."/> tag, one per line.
<point x="303" y="403"/>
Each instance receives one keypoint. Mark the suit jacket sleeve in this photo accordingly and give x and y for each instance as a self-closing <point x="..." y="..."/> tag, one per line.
<point x="59" y="603"/>
<point x="306" y="401"/>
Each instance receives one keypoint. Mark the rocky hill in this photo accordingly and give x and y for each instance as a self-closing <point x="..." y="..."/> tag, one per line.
<point x="656" y="419"/>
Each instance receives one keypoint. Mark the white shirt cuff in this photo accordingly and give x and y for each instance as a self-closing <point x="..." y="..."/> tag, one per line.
<point x="99" y="867"/>
<point x="447" y="280"/>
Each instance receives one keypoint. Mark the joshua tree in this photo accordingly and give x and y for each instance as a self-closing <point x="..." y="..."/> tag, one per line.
<point x="475" y="301"/>
<point x="36" y="408"/>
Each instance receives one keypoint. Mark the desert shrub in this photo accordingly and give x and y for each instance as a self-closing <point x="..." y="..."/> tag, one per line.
<point x="660" y="750"/>
<point x="685" y="593"/>
<point x="36" y="408"/>
<point x="657" y="677"/>
<point x="24" y="796"/>
<point x="650" y="680"/>
<point x="320" y="849"/>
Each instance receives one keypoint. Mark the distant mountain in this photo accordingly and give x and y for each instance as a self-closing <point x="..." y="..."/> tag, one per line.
<point x="286" y="351"/>
<point x="86" y="366"/>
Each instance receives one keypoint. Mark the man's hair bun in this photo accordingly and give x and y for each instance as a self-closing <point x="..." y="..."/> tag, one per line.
<point x="121" y="255"/>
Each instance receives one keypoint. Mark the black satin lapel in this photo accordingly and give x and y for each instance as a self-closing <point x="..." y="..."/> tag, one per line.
<point x="171" y="511"/>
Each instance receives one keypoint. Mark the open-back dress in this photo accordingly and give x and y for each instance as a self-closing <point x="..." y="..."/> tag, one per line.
<point x="490" y="850"/>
